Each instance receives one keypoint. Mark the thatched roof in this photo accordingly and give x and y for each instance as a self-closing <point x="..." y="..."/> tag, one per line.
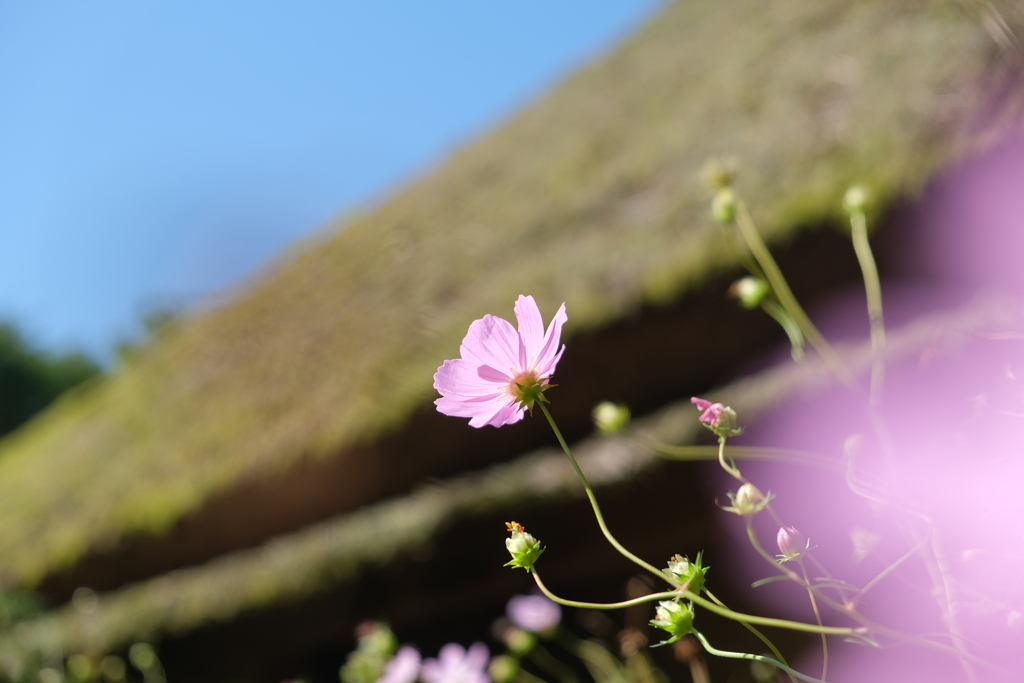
<point x="591" y="195"/>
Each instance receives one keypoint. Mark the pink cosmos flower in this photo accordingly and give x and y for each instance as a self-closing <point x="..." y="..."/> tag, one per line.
<point x="455" y="665"/>
<point x="404" y="667"/>
<point x="712" y="411"/>
<point x="502" y="371"/>
<point x="533" y="613"/>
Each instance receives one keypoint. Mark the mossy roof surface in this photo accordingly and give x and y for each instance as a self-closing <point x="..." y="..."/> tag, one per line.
<point x="591" y="196"/>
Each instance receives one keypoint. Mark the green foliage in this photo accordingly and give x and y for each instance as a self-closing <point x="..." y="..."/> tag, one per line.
<point x="31" y="379"/>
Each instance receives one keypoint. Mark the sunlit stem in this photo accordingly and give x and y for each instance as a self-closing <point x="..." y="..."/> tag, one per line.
<point x="593" y="501"/>
<point x="667" y="595"/>
<point x="786" y="298"/>
<point x="757" y="658"/>
<point x="782" y="455"/>
<point x="873" y="290"/>
<point x="789" y="326"/>
<point x="762" y="637"/>
<point x="706" y="604"/>
<point x="817" y="616"/>
<point x="730" y="466"/>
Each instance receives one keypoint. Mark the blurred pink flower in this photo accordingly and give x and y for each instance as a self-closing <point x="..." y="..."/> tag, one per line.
<point x="456" y="665"/>
<point x="404" y="667"/>
<point x="712" y="411"/>
<point x="534" y="613"/>
<point x="502" y="371"/>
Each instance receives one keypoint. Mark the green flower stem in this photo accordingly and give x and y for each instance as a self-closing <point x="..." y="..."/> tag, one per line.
<point x="593" y="501"/>
<point x="817" y="617"/>
<point x="789" y="326"/>
<point x="731" y="466"/>
<point x="786" y="298"/>
<point x="782" y="455"/>
<point x="873" y="290"/>
<point x="667" y="595"/>
<point x="706" y="604"/>
<point x="762" y="637"/>
<point x="756" y="658"/>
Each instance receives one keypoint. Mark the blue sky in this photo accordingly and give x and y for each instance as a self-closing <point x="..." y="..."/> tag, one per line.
<point x="154" y="153"/>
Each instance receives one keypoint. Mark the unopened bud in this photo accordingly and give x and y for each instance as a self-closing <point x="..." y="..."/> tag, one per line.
<point x="856" y="199"/>
<point x="723" y="205"/>
<point x="792" y="543"/>
<point x="748" y="500"/>
<point x="689" y="574"/>
<point x="503" y="669"/>
<point x="524" y="548"/>
<point x="519" y="642"/>
<point x="610" y="417"/>
<point x="674" y="617"/>
<point x="719" y="418"/>
<point x="749" y="291"/>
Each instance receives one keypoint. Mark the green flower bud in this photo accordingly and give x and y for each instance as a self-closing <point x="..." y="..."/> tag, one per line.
<point x="689" y="574"/>
<point x="750" y="291"/>
<point x="856" y="199"/>
<point x="610" y="417"/>
<point x="524" y="548"/>
<point x="519" y="642"/>
<point x="503" y="669"/>
<point x="748" y="500"/>
<point x="674" y="617"/>
<point x="723" y="206"/>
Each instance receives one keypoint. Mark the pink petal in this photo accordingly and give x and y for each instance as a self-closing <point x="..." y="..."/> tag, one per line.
<point x="531" y="331"/>
<point x="493" y="342"/>
<point x="550" y="353"/>
<point x="477" y="656"/>
<point x="499" y="412"/>
<point x="700" y="403"/>
<point x="465" y="379"/>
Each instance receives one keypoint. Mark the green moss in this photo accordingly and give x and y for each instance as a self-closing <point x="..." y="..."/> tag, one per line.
<point x="591" y="195"/>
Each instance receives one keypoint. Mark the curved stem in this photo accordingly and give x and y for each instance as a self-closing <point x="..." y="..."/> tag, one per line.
<point x="667" y="595"/>
<point x="706" y="604"/>
<point x="593" y="501"/>
<point x="731" y="466"/>
<point x="873" y="291"/>
<point x="762" y="637"/>
<point x="756" y="658"/>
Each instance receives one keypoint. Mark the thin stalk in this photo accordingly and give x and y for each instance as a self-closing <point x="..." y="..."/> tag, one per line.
<point x="708" y="605"/>
<point x="593" y="501"/>
<point x="817" y="616"/>
<point x="788" y="325"/>
<point x="873" y="291"/>
<point x="782" y="455"/>
<point x="762" y="637"/>
<point x="786" y="298"/>
<point x="731" y="466"/>
<point x="667" y="595"/>
<point x="757" y="658"/>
